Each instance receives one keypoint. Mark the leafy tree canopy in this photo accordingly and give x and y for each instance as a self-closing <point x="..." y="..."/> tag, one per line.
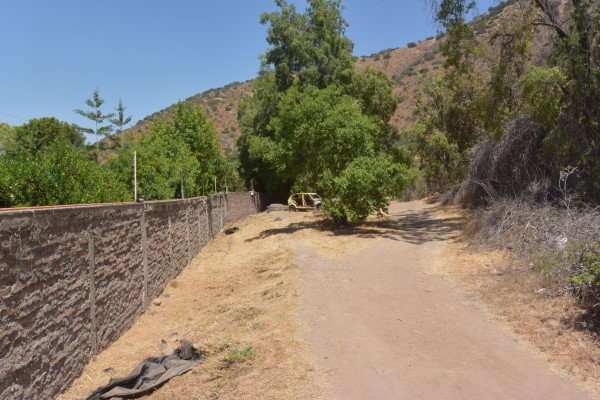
<point x="309" y="48"/>
<point x="36" y="134"/>
<point x="58" y="173"/>
<point x="182" y="155"/>
<point x="311" y="115"/>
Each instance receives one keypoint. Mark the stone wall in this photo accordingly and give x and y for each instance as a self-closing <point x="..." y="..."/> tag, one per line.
<point x="73" y="279"/>
<point x="241" y="204"/>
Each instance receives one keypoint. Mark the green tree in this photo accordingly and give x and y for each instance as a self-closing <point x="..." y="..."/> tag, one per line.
<point x="181" y="153"/>
<point x="318" y="130"/>
<point x="309" y="48"/>
<point x="572" y="78"/>
<point x="38" y="133"/>
<point x="542" y="94"/>
<point x="6" y="136"/>
<point x="365" y="186"/>
<point x="164" y="164"/>
<point x="192" y="126"/>
<point x="95" y="114"/>
<point x="59" y="173"/>
<point x="311" y="115"/>
<point x="254" y="115"/>
<point x="450" y="124"/>
<point x="120" y="121"/>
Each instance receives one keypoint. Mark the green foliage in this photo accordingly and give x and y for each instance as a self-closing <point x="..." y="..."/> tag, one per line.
<point x="194" y="128"/>
<point x="309" y="48"/>
<point x="373" y="89"/>
<point x="316" y="131"/>
<point x="460" y="42"/>
<point x="311" y="115"/>
<point x="121" y="120"/>
<point x="180" y="155"/>
<point x="541" y="91"/>
<point x="44" y="163"/>
<point x="36" y="134"/>
<point x="583" y="259"/>
<point x="575" y="139"/>
<point x="58" y="173"/>
<point x="364" y="187"/>
<point x="410" y="45"/>
<point x="240" y="355"/>
<point x="450" y="125"/>
<point x="164" y="164"/>
<point x="6" y="136"/>
<point x="442" y="163"/>
<point x="96" y="115"/>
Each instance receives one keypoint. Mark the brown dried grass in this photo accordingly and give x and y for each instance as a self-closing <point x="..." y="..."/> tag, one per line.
<point x="241" y="292"/>
<point x="237" y="294"/>
<point x="550" y="322"/>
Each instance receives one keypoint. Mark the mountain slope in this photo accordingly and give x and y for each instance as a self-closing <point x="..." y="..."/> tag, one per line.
<point x="407" y="66"/>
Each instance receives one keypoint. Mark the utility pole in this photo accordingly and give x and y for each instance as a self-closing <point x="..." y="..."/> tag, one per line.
<point x="135" y="176"/>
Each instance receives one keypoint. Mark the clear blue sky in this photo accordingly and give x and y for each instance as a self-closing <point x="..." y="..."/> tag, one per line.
<point x="152" y="53"/>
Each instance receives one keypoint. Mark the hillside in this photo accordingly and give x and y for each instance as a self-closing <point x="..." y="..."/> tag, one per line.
<point x="407" y="66"/>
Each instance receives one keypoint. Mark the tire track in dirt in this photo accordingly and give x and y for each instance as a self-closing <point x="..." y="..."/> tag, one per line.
<point x="384" y="325"/>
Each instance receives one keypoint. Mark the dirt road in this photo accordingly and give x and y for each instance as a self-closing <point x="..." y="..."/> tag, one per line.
<point x="289" y="308"/>
<point x="385" y="325"/>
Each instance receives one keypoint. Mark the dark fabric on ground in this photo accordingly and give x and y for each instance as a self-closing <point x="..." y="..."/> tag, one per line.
<point x="150" y="374"/>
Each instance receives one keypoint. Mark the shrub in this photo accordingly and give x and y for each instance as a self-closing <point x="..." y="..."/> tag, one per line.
<point x="429" y="56"/>
<point x="583" y="260"/>
<point x="365" y="187"/>
<point x="410" y="45"/>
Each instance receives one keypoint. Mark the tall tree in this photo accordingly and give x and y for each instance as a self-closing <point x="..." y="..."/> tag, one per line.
<point x="164" y="164"/>
<point x="38" y="133"/>
<point x="568" y="86"/>
<point x="311" y="115"/>
<point x="95" y="114"/>
<point x="121" y="120"/>
<point x="309" y="48"/>
<point x="192" y="126"/>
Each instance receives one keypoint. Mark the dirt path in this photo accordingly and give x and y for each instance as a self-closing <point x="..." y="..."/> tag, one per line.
<point x="287" y="308"/>
<point x="385" y="325"/>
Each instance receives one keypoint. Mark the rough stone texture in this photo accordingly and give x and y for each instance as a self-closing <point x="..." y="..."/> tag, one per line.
<point x="241" y="204"/>
<point x="73" y="279"/>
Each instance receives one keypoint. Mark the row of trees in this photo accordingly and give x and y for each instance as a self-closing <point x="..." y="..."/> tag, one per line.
<point x="313" y="123"/>
<point x="489" y="82"/>
<point x="46" y="161"/>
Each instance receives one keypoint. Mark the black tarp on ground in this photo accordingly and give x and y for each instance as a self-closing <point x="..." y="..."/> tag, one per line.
<point x="150" y="374"/>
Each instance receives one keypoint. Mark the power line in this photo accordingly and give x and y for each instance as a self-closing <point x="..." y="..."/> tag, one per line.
<point x="12" y="116"/>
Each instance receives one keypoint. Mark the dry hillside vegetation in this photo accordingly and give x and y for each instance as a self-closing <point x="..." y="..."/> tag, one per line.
<point x="514" y="292"/>
<point x="407" y="66"/>
<point x="219" y="104"/>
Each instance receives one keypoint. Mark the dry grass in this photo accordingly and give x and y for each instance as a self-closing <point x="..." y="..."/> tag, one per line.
<point x="238" y="301"/>
<point x="516" y="296"/>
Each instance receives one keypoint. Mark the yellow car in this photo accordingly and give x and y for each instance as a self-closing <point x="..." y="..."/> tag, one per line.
<point x="304" y="201"/>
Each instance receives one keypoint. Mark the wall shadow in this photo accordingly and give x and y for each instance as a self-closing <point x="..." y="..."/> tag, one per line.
<point x="416" y="227"/>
